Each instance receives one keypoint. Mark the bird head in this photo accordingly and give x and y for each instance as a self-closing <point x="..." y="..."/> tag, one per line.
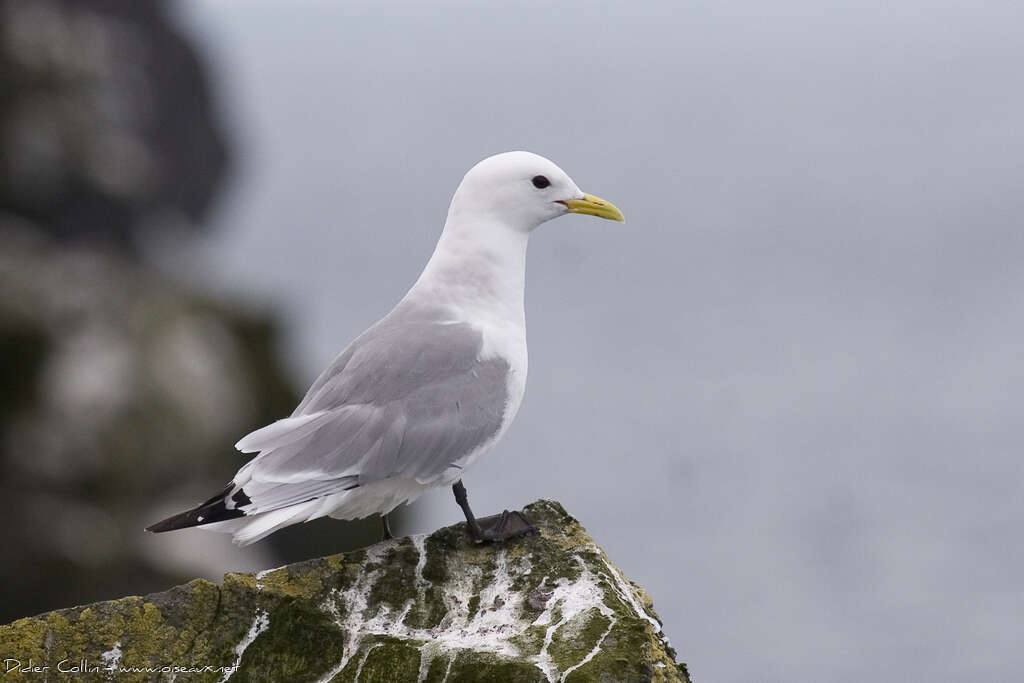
<point x="523" y="190"/>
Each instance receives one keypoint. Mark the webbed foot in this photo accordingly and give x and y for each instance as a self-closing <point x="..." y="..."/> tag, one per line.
<point x="498" y="528"/>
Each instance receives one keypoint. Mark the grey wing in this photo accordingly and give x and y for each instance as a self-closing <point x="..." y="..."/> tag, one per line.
<point x="407" y="398"/>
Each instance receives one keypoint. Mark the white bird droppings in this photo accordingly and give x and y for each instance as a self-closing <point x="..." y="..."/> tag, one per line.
<point x="259" y="625"/>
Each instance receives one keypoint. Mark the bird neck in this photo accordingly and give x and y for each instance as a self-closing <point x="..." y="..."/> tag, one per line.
<point x="477" y="271"/>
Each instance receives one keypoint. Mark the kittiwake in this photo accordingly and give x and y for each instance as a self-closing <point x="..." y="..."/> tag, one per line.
<point x="424" y="392"/>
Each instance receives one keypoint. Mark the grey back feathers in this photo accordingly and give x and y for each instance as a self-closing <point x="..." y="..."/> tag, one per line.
<point x="409" y="398"/>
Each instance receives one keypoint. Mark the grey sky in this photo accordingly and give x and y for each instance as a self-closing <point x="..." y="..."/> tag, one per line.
<point x="786" y="395"/>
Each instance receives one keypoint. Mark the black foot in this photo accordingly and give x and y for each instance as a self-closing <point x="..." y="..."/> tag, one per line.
<point x="498" y="528"/>
<point x="492" y="529"/>
<point x="386" y="531"/>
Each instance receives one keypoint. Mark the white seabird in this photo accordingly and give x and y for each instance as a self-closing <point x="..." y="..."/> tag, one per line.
<point x="424" y="392"/>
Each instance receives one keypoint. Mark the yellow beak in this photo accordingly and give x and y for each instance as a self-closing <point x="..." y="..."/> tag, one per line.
<point x="595" y="206"/>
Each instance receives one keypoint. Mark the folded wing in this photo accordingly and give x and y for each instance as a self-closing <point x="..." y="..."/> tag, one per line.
<point x="410" y="398"/>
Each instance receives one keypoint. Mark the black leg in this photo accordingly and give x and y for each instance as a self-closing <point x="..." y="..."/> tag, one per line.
<point x="460" y="497"/>
<point x="496" y="528"/>
<point x="386" y="533"/>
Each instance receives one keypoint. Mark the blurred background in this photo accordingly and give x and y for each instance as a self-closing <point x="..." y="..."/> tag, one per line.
<point x="785" y="397"/>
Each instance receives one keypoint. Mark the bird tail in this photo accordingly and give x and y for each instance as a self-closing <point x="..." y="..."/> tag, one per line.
<point x="215" y="515"/>
<point x="213" y="510"/>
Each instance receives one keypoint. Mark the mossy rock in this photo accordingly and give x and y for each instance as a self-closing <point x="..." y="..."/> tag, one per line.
<point x="545" y="607"/>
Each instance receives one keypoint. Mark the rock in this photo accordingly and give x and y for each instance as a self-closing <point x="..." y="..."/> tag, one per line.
<point x="109" y="131"/>
<point x="123" y="392"/>
<point x="546" y="607"/>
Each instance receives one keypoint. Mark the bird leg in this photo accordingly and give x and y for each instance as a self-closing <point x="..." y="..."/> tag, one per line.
<point x="492" y="529"/>
<point x="386" y="531"/>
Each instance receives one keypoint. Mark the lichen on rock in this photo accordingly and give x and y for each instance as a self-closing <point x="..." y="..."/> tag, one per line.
<point x="545" y="607"/>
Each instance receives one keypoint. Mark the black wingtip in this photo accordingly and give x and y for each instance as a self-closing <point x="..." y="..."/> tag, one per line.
<point x="213" y="510"/>
<point x="183" y="520"/>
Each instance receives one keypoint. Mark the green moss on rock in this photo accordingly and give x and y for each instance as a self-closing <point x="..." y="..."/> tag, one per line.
<point x="545" y="607"/>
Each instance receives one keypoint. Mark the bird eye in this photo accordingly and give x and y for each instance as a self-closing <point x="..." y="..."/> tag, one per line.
<point x="540" y="182"/>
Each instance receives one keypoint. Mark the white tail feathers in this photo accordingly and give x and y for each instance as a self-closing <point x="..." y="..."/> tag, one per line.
<point x="363" y="501"/>
<point x="250" y="529"/>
